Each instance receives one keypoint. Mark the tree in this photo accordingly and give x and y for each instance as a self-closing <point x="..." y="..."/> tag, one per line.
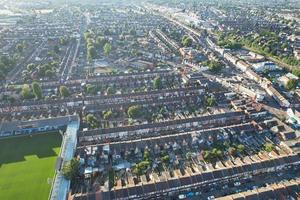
<point x="30" y="67"/>
<point x="87" y="35"/>
<point x="186" y="41"/>
<point x="107" y="48"/>
<point x="291" y="84"/>
<point x="92" y="121"/>
<point x="141" y="166"/>
<point x="269" y="147"/>
<point x="189" y="156"/>
<point x="107" y="115"/>
<point x="240" y="148"/>
<point x="147" y="155"/>
<point x="91" y="89"/>
<point x="215" y="66"/>
<point x="37" y="90"/>
<point x="63" y="40"/>
<point x="207" y="156"/>
<point x="111" y="178"/>
<point x="26" y="92"/>
<point x="100" y="42"/>
<point x="109" y="91"/>
<point x="284" y="45"/>
<point x="6" y="63"/>
<point x="217" y="153"/>
<point x="49" y="73"/>
<point x="211" y="101"/>
<point x="296" y="72"/>
<point x="157" y="83"/>
<point x="134" y="111"/>
<point x="20" y="47"/>
<point x="92" y="53"/>
<point x="166" y="159"/>
<point x="71" y="169"/>
<point x="64" y="91"/>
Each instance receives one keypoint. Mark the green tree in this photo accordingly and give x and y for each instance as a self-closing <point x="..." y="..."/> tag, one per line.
<point x="215" y="66"/>
<point x="147" y="155"/>
<point x="207" y="156"/>
<point x="71" y="169"/>
<point x="283" y="46"/>
<point x="64" y="91"/>
<point x="92" y="121"/>
<point x="296" y="72"/>
<point x="157" y="83"/>
<point x="291" y="84"/>
<point x="240" y="148"/>
<point x="100" y="42"/>
<point x="87" y="35"/>
<point x="109" y="91"/>
<point x="217" y="153"/>
<point x="141" y="166"/>
<point x="189" y="156"/>
<point x="211" y="101"/>
<point x="20" y="48"/>
<point x="49" y="73"/>
<point x="63" y="41"/>
<point x="30" y="67"/>
<point x="134" y="111"/>
<point x="166" y="159"/>
<point x="91" y="89"/>
<point x="108" y="115"/>
<point x="187" y="41"/>
<point x="91" y="52"/>
<point x="269" y="147"/>
<point x="111" y="178"/>
<point x="37" y="90"/>
<point x="26" y="92"/>
<point x="107" y="48"/>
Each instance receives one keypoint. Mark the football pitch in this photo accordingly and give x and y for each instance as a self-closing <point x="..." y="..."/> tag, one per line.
<point x="26" y="163"/>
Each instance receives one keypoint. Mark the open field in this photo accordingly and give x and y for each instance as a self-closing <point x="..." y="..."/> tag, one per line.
<point x="25" y="165"/>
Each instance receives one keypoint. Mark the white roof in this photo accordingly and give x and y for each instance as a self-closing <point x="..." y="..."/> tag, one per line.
<point x="292" y="76"/>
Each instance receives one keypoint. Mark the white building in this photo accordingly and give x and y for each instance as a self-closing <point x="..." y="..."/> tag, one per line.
<point x="260" y="67"/>
<point x="283" y="80"/>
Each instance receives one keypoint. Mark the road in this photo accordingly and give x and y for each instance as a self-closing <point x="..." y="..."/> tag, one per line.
<point x="68" y="60"/>
<point x="15" y="73"/>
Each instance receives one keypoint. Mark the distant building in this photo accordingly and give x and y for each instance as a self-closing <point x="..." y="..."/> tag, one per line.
<point x="260" y="67"/>
<point x="192" y="54"/>
<point x="254" y="57"/>
<point x="286" y="78"/>
<point x="34" y="126"/>
<point x="142" y="64"/>
<point x="297" y="53"/>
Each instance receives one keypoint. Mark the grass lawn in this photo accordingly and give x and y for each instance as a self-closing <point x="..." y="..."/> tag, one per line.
<point x="25" y="165"/>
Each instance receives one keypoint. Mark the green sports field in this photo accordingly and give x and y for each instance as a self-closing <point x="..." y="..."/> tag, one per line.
<point x="25" y="165"/>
